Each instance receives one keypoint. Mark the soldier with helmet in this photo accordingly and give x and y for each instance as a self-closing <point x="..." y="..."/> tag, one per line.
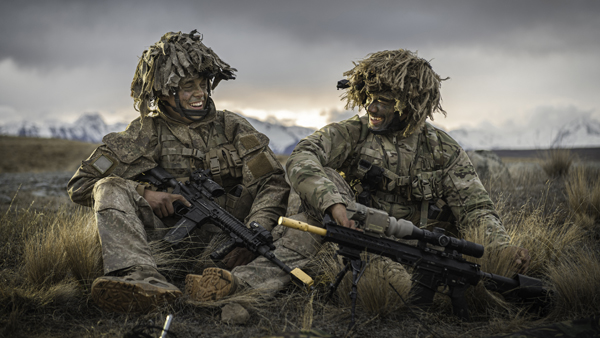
<point x="391" y="159"/>
<point x="180" y="130"/>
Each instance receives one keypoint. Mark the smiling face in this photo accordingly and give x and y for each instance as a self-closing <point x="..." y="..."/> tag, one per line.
<point x="380" y="107"/>
<point x="193" y="95"/>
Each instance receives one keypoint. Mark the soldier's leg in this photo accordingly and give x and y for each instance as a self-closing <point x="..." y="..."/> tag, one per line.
<point x="125" y="221"/>
<point x="294" y="248"/>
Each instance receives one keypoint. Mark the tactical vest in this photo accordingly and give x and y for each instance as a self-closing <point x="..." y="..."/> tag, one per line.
<point x="217" y="154"/>
<point x="412" y="171"/>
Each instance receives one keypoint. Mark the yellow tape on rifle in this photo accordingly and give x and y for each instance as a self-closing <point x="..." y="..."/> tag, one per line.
<point x="290" y="223"/>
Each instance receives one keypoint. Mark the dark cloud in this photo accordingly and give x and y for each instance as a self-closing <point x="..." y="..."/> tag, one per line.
<point x="66" y="33"/>
<point x="81" y="55"/>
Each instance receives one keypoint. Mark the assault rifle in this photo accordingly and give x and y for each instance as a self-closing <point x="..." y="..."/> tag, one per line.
<point x="201" y="192"/>
<point x="432" y="267"/>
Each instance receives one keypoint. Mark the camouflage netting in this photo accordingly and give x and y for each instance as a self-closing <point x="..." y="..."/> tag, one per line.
<point x="165" y="63"/>
<point x="410" y="79"/>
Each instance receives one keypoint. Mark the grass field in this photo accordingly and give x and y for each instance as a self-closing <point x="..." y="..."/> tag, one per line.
<point x="50" y="254"/>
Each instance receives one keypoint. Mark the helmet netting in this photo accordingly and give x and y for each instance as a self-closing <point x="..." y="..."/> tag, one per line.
<point x="410" y="79"/>
<point x="165" y="63"/>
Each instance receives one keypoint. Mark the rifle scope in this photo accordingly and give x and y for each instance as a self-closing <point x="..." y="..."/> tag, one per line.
<point x="379" y="222"/>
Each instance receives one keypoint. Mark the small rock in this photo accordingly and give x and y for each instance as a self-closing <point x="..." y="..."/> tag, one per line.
<point x="234" y="313"/>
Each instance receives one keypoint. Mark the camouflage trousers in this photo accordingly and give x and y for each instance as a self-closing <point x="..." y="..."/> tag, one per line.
<point x="127" y="224"/>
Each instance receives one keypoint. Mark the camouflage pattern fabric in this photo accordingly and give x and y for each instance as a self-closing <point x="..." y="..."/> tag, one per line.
<point x="427" y="165"/>
<point x="578" y="328"/>
<point x="294" y="248"/>
<point x="124" y="218"/>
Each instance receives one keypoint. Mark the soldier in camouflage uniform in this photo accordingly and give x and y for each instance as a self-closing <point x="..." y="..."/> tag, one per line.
<point x="180" y="130"/>
<point x="419" y="165"/>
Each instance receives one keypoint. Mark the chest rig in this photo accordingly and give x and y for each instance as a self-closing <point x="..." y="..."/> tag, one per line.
<point x="199" y="148"/>
<point x="408" y="173"/>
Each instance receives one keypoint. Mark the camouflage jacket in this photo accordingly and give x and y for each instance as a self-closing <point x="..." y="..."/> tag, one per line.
<point x="237" y="154"/>
<point x="428" y="165"/>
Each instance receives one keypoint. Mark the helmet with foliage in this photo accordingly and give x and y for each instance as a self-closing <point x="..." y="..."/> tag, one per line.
<point x="409" y="78"/>
<point x="174" y="57"/>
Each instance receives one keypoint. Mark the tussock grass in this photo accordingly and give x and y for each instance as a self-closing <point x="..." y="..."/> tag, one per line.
<point x="375" y="295"/>
<point x="49" y="257"/>
<point x="583" y="191"/>
<point x="576" y="277"/>
<point x="557" y="162"/>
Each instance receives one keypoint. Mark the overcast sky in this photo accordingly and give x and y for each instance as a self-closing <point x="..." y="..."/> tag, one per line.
<point x="509" y="62"/>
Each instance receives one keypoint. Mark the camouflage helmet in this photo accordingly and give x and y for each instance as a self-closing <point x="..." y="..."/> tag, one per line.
<point x="409" y="78"/>
<point x="165" y="63"/>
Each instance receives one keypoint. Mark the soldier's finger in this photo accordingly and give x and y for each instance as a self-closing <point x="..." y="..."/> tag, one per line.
<point x="163" y="211"/>
<point x="175" y="197"/>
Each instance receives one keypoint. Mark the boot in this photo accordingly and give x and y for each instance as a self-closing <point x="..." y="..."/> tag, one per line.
<point x="212" y="285"/>
<point x="138" y="289"/>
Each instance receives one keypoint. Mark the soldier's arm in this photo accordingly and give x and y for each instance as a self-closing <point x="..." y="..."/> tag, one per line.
<point x="466" y="196"/>
<point x="101" y="163"/>
<point x="272" y="191"/>
<point x="327" y="147"/>
<point x="124" y="154"/>
<point x="262" y="174"/>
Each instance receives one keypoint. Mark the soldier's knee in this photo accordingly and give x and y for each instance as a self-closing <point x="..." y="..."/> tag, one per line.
<point x="114" y="193"/>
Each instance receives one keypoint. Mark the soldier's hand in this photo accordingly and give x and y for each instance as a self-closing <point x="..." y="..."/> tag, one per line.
<point x="522" y="258"/>
<point x="339" y="214"/>
<point x="162" y="202"/>
<point x="238" y="256"/>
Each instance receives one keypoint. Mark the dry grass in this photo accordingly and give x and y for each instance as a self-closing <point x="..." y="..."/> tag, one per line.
<point x="49" y="256"/>
<point x="575" y="277"/>
<point x="557" y="162"/>
<point x="583" y="191"/>
<point x="28" y="154"/>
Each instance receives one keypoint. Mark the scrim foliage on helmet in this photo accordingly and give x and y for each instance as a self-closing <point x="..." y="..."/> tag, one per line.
<point x="165" y="63"/>
<point x="410" y="79"/>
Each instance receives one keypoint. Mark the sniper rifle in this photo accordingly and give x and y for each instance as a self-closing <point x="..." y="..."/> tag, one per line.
<point x="432" y="267"/>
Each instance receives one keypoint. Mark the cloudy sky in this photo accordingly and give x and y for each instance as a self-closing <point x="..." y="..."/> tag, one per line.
<point x="509" y="62"/>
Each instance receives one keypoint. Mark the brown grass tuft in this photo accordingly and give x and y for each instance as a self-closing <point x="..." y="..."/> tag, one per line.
<point x="583" y="191"/>
<point x="557" y="162"/>
<point x="576" y="277"/>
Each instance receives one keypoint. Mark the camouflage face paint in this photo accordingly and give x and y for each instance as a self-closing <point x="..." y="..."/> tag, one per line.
<point x="380" y="107"/>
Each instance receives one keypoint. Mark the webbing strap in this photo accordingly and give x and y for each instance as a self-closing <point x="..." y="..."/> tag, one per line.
<point x="187" y="152"/>
<point x="424" y="209"/>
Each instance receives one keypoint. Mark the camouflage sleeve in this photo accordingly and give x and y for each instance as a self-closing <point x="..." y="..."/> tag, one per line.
<point x="467" y="197"/>
<point x="271" y="191"/>
<point x="327" y="147"/>
<point x="124" y="154"/>
<point x="262" y="173"/>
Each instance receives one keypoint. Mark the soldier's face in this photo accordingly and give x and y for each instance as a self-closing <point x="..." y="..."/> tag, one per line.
<point x="380" y="108"/>
<point x="193" y="93"/>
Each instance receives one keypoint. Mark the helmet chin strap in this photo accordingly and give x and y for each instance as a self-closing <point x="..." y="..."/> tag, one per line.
<point x="190" y="114"/>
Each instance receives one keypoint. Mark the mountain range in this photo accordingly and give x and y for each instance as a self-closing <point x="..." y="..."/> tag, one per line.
<point x="582" y="132"/>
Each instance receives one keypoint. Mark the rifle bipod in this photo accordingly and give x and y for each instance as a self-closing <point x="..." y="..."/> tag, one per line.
<point x="358" y="267"/>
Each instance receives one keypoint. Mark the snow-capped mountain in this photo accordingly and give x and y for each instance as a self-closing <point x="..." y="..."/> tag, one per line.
<point x="88" y="128"/>
<point x="582" y="132"/>
<point x="283" y="138"/>
<point x="91" y="128"/>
